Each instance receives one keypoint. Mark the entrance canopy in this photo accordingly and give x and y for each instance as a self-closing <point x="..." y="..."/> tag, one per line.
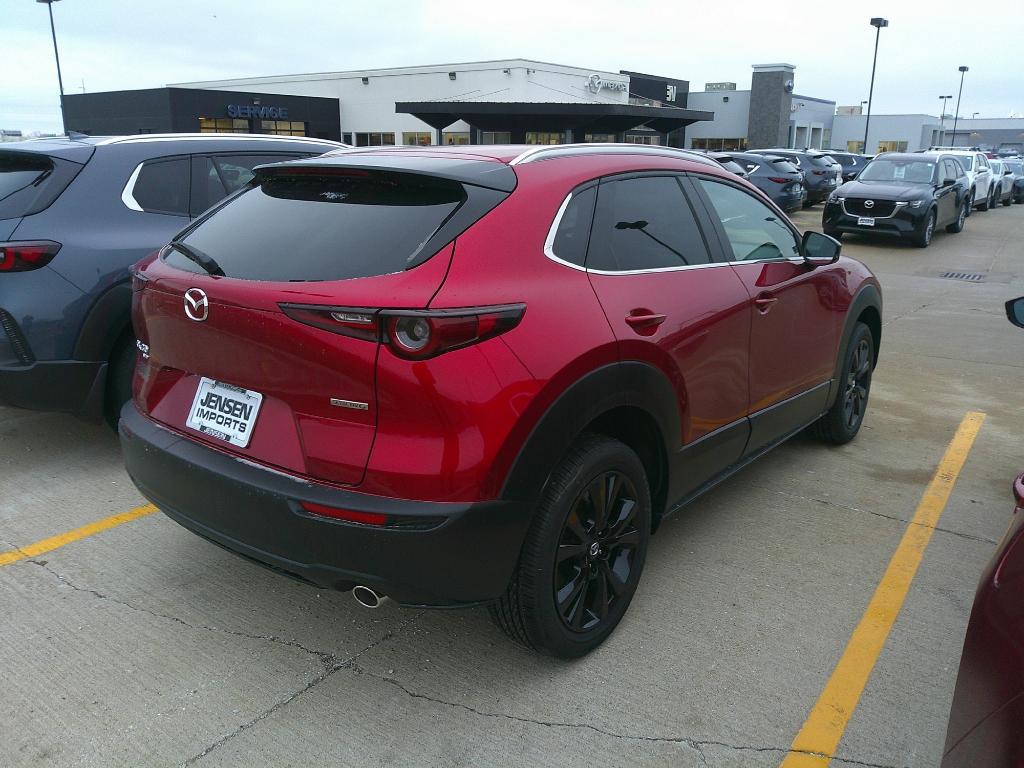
<point x="519" y="117"/>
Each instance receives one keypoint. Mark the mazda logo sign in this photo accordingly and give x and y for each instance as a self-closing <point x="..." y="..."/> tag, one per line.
<point x="869" y="203"/>
<point x="197" y="306"/>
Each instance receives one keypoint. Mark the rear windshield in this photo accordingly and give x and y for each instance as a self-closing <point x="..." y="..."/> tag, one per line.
<point x="732" y="165"/>
<point x="825" y="161"/>
<point x="784" y="166"/>
<point x="315" y="225"/>
<point x="845" y="160"/>
<point x="30" y="181"/>
<point x="907" y="171"/>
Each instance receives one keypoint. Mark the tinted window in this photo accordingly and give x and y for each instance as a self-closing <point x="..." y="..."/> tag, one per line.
<point x="966" y="161"/>
<point x="733" y="166"/>
<point x="644" y="223"/>
<point x="952" y="169"/>
<point x="162" y="186"/>
<point x="29" y="182"/>
<point x="847" y="161"/>
<point x="324" y="226"/>
<point x="570" y="243"/>
<point x="784" y="166"/>
<point x="754" y="230"/>
<point x="214" y="178"/>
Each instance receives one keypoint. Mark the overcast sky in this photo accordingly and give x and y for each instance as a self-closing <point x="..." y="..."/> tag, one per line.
<point x="115" y="44"/>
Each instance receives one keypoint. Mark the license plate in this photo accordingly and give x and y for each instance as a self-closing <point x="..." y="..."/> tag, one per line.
<point x="865" y="221"/>
<point x="224" y="411"/>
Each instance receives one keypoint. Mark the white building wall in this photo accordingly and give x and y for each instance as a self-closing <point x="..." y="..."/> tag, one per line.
<point x="811" y="123"/>
<point x="370" y="107"/>
<point x="919" y="131"/>
<point x="731" y="110"/>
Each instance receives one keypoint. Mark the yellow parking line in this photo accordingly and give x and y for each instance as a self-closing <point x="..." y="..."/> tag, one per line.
<point x="816" y="743"/>
<point x="47" y="545"/>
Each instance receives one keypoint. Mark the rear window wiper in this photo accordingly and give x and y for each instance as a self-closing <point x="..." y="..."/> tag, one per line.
<point x="194" y="254"/>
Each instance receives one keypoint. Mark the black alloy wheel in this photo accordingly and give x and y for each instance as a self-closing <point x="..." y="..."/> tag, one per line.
<point x="584" y="553"/>
<point x="858" y="380"/>
<point x="596" y="551"/>
<point x="843" y="420"/>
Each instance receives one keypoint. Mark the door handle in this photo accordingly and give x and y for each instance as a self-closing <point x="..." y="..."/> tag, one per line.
<point x="764" y="302"/>
<point x="648" y="321"/>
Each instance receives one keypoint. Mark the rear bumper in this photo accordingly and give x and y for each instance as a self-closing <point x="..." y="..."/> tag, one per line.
<point x="62" y="385"/>
<point x="465" y="558"/>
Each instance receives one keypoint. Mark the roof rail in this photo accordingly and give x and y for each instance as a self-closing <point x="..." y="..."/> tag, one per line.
<point x="147" y="137"/>
<point x="949" y="149"/>
<point x="568" y="150"/>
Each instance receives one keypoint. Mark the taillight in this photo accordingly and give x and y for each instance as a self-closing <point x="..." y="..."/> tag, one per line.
<point x="348" y="515"/>
<point x="29" y="255"/>
<point x="780" y="179"/>
<point x="412" y="334"/>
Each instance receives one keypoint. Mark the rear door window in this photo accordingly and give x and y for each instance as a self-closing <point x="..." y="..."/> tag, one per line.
<point x="162" y="186"/>
<point x="644" y="223"/>
<point x="324" y="225"/>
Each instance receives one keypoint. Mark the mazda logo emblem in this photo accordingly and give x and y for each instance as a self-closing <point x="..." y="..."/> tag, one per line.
<point x="869" y="203"/>
<point x="197" y="306"/>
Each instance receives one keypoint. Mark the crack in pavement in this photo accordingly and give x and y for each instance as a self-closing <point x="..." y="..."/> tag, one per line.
<point x="329" y="662"/>
<point x="697" y="745"/>
<point x="895" y="518"/>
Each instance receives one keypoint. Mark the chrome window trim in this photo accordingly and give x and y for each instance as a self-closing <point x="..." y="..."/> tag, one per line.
<point x="898" y="207"/>
<point x="126" y="194"/>
<point x="549" y="251"/>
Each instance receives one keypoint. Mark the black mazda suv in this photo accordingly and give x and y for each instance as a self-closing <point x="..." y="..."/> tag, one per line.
<point x="905" y="195"/>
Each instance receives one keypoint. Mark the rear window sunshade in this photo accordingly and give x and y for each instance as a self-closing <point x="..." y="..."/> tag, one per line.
<point x="31" y="181"/>
<point x="310" y="224"/>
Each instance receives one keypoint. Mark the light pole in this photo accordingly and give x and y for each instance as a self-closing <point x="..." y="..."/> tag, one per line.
<point x="942" y="114"/>
<point x="60" y="80"/>
<point x="877" y="23"/>
<point x="956" y="117"/>
<point x="974" y="114"/>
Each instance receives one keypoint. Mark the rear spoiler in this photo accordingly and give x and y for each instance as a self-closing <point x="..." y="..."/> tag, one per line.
<point x="482" y="172"/>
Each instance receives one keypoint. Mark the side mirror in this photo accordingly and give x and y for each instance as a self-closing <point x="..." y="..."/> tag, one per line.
<point x="1007" y="173"/>
<point x="948" y="182"/>
<point x="1015" y="311"/>
<point x="819" y="250"/>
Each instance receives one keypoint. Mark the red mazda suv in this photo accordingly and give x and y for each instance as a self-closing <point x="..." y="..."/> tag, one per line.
<point x="474" y="375"/>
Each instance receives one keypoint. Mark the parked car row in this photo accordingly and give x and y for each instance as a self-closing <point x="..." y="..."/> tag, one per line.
<point x="909" y="195"/>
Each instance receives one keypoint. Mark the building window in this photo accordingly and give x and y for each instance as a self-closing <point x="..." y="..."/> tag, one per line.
<point x="720" y="145"/>
<point x="892" y="146"/>
<point x="223" y="125"/>
<point x="346" y="138"/>
<point x="416" y="139"/>
<point x="643" y="139"/>
<point x="283" y="127"/>
<point x="857" y="147"/>
<point x="455" y="137"/>
<point x="375" y="139"/>
<point x="495" y="137"/>
<point x="545" y="137"/>
<point x="599" y="138"/>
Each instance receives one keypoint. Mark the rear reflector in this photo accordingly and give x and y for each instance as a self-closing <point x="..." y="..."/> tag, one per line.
<point x="26" y="256"/>
<point x="348" y="515"/>
<point x="780" y="179"/>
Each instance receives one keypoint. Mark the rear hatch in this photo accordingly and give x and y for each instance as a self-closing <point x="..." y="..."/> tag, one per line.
<point x="259" y="325"/>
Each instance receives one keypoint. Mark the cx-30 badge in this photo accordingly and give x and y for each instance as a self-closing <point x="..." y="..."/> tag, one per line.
<point x="197" y="306"/>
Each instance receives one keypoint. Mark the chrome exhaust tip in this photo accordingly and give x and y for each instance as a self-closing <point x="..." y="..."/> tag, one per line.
<point x="368" y="598"/>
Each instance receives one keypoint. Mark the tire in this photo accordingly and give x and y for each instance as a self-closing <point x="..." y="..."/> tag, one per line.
<point x="958" y="225"/>
<point x="566" y="521"/>
<point x="119" y="379"/>
<point x="923" y="238"/>
<point x="1007" y="201"/>
<point x="970" y="203"/>
<point x="843" y="419"/>
<point x="985" y="205"/>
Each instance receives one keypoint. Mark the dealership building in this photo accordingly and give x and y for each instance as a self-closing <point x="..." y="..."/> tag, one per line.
<point x="491" y="102"/>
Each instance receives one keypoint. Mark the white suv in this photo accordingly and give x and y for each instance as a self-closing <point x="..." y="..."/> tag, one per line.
<point x="979" y="172"/>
